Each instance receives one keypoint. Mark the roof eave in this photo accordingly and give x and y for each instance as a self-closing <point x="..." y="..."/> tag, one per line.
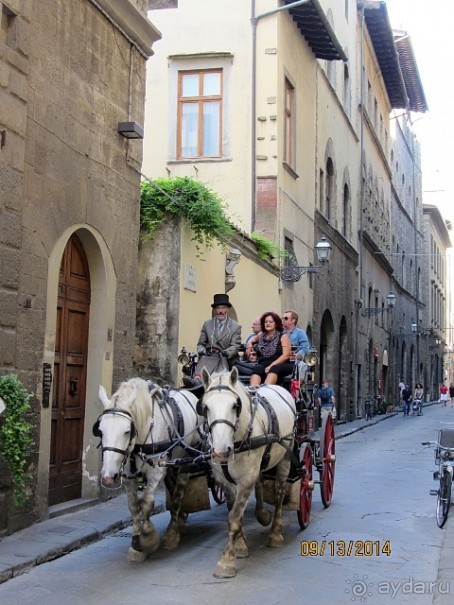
<point x="315" y="28"/>
<point x="381" y="35"/>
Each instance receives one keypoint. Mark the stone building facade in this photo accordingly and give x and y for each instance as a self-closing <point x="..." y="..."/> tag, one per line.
<point x="309" y="155"/>
<point x="435" y="332"/>
<point x="70" y="72"/>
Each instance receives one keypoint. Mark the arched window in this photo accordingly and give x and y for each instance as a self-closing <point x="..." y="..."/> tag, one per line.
<point x="346" y="213"/>
<point x="329" y="189"/>
<point x="403" y="269"/>
<point x="346" y="90"/>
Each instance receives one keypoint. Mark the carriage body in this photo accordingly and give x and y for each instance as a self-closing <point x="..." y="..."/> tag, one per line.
<point x="314" y="446"/>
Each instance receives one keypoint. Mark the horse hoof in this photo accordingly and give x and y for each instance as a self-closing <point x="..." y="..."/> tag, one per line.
<point x="149" y="542"/>
<point x="224" y="572"/>
<point x="134" y="556"/>
<point x="170" y="543"/>
<point x="242" y="553"/>
<point x="263" y="517"/>
<point x="276" y="541"/>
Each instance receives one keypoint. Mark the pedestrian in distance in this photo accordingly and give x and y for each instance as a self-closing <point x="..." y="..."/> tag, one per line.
<point x="326" y="398"/>
<point x="418" y="397"/>
<point x="451" y="393"/>
<point x="419" y="391"/>
<point x="401" y="387"/>
<point x="407" y="398"/>
<point x="444" y="395"/>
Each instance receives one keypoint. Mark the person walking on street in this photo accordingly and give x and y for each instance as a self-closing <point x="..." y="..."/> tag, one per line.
<point x="444" y="396"/>
<point x="451" y="393"/>
<point x="406" y="400"/>
<point x="326" y="398"/>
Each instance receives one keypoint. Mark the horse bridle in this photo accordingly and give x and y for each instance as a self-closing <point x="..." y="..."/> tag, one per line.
<point x="237" y="406"/>
<point x="132" y="433"/>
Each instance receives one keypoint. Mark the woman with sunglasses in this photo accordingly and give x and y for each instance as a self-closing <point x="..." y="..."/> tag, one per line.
<point x="273" y="351"/>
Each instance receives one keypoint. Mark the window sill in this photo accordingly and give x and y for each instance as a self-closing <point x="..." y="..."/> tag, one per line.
<point x="199" y="160"/>
<point x="290" y="170"/>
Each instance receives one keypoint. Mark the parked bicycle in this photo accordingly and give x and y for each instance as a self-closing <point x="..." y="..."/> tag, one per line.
<point x="444" y="457"/>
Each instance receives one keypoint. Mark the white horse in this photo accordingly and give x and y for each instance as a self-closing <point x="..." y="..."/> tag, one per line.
<point x="247" y="434"/>
<point x="141" y="427"/>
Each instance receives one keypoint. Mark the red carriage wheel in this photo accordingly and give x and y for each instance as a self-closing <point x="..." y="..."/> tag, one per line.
<point x="327" y="460"/>
<point x="307" y="486"/>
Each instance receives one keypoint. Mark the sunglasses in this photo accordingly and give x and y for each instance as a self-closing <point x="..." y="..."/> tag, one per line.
<point x="285" y="318"/>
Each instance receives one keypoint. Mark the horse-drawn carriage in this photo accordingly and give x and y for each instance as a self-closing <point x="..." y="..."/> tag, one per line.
<point x="239" y="438"/>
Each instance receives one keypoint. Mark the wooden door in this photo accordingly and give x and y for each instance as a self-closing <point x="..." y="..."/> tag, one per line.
<point x="70" y="372"/>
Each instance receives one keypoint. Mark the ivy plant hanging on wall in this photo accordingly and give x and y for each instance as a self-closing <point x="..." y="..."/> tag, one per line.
<point x="205" y="212"/>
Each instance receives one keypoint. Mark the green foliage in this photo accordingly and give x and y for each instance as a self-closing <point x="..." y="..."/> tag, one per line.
<point x="267" y="249"/>
<point x="205" y="212"/>
<point x="15" y="440"/>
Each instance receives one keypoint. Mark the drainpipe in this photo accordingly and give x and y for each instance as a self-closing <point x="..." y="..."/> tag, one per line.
<point x="358" y="301"/>
<point x="254" y="20"/>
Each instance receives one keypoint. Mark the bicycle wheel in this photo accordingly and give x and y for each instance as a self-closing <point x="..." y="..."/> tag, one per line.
<point x="444" y="498"/>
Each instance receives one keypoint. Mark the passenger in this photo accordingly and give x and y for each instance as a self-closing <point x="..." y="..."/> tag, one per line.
<point x="273" y="351"/>
<point x="255" y="329"/>
<point x="298" y="337"/>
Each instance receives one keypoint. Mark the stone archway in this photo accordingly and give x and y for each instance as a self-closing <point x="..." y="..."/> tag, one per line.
<point x="99" y="353"/>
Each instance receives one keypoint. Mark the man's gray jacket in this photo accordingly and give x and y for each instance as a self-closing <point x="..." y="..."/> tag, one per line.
<point x="227" y="340"/>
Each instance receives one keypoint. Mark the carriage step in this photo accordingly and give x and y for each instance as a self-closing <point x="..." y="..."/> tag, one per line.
<point x="434" y="492"/>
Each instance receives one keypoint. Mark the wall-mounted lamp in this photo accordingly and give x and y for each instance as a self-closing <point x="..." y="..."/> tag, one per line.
<point x="130" y="130"/>
<point x="390" y="300"/>
<point x="293" y="272"/>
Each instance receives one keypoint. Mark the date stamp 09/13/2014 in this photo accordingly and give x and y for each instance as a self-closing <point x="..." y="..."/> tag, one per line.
<point x="345" y="548"/>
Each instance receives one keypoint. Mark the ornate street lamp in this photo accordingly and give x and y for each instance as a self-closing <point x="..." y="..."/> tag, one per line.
<point x="390" y="300"/>
<point x="293" y="272"/>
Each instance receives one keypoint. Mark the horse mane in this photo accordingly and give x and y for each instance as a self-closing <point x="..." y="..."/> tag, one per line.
<point x="225" y="378"/>
<point x="140" y="407"/>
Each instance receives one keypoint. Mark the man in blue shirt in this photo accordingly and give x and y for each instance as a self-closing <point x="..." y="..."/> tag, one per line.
<point x="298" y="337"/>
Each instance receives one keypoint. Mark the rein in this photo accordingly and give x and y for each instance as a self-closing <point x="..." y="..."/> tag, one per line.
<point x="175" y="428"/>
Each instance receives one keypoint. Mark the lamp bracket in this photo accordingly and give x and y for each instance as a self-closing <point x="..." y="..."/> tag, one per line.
<point x="370" y="312"/>
<point x="294" y="273"/>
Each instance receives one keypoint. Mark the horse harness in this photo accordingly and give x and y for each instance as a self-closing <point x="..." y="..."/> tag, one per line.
<point x="175" y="428"/>
<point x="250" y="443"/>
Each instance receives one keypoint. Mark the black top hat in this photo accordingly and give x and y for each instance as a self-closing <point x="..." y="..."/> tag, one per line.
<point x="221" y="299"/>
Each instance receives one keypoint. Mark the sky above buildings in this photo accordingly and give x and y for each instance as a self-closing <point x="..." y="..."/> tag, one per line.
<point x="430" y="26"/>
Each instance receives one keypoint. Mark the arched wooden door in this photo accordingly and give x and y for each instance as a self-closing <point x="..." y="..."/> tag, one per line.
<point x="70" y="371"/>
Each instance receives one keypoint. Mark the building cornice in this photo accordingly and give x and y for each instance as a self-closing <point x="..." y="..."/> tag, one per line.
<point x="133" y="24"/>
